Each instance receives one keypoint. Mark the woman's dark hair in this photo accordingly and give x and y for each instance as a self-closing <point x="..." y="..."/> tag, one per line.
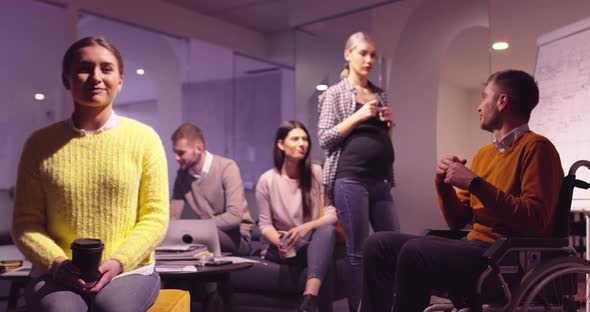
<point x="72" y="52"/>
<point x="305" y="174"/>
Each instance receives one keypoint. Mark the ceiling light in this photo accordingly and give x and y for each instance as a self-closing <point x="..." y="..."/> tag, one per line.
<point x="500" y="45"/>
<point x="39" y="96"/>
<point x="321" y="87"/>
<point x="140" y="71"/>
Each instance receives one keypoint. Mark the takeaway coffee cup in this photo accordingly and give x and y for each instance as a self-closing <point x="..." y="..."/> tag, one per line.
<point x="291" y="252"/>
<point x="86" y="255"/>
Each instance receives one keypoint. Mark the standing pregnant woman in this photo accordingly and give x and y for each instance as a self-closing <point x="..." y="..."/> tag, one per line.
<point x="355" y="128"/>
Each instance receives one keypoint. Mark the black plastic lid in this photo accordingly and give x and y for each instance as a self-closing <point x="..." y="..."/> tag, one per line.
<point x="86" y="243"/>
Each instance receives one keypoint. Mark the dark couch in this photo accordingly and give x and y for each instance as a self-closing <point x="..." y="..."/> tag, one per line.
<point x="268" y="286"/>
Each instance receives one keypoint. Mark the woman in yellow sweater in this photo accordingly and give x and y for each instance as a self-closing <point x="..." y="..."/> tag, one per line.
<point x="95" y="175"/>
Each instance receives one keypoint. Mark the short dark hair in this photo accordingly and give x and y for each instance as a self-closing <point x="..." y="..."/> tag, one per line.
<point x="190" y="132"/>
<point x="521" y="89"/>
<point x="72" y="51"/>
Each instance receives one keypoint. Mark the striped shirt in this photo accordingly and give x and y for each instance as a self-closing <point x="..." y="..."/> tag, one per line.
<point x="335" y="105"/>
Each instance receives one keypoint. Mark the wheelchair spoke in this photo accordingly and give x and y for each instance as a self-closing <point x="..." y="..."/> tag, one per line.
<point x="558" y="285"/>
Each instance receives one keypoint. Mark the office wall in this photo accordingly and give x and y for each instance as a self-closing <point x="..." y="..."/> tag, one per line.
<point x="414" y="91"/>
<point x="142" y="111"/>
<point x="257" y="117"/>
<point x="457" y="119"/>
<point x="238" y="117"/>
<point x="318" y="60"/>
<point x="522" y="22"/>
<point x="415" y="51"/>
<point x="465" y="68"/>
<point x="31" y="63"/>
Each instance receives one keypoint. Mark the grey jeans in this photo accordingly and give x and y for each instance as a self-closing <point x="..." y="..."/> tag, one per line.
<point x="360" y="202"/>
<point x="131" y="293"/>
<point x="232" y="241"/>
<point x="315" y="252"/>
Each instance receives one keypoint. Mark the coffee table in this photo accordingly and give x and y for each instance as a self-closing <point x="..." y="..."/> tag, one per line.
<point x="213" y="274"/>
<point x="18" y="279"/>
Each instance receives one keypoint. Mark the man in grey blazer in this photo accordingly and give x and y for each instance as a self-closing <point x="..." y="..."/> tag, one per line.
<point x="212" y="187"/>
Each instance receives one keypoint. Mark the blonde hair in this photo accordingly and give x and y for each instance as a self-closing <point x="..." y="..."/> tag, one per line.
<point x="353" y="41"/>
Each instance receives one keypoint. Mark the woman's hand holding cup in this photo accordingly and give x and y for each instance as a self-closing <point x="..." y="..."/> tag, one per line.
<point x="386" y="115"/>
<point x="108" y="270"/>
<point x="65" y="273"/>
<point x="367" y="110"/>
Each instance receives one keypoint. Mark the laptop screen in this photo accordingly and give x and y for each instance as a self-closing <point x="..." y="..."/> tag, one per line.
<point x="191" y="231"/>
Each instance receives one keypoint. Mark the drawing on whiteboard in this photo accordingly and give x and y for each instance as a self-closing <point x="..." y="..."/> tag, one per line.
<point x="563" y="73"/>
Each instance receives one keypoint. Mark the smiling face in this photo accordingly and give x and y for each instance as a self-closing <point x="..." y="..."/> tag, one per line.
<point x="489" y="115"/>
<point x="361" y="58"/>
<point x="295" y="145"/>
<point x="94" y="78"/>
<point x="188" y="155"/>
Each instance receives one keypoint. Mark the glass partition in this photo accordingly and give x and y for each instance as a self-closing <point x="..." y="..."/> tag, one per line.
<point x="257" y="115"/>
<point x="31" y="84"/>
<point x="33" y="41"/>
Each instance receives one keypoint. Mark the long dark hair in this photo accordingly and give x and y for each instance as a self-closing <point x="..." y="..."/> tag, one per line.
<point x="305" y="174"/>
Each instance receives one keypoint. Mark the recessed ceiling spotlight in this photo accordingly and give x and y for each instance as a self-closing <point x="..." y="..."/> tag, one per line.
<point x="140" y="71"/>
<point x="321" y="87"/>
<point x="39" y="96"/>
<point x="500" y="45"/>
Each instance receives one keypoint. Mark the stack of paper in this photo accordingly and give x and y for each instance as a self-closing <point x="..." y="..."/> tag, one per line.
<point x="182" y="254"/>
<point x="176" y="268"/>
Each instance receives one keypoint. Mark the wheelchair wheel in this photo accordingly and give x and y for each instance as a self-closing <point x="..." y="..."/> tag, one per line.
<point x="557" y="285"/>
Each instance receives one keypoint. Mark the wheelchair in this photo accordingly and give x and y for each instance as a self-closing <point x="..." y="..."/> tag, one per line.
<point x="531" y="274"/>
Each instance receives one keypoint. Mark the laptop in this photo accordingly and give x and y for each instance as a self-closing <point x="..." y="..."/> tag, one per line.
<point x="192" y="231"/>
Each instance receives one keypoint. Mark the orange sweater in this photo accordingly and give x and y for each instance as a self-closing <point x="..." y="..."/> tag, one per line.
<point x="517" y="197"/>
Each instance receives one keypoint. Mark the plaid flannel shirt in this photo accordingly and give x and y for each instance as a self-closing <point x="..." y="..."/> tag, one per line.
<point x="336" y="104"/>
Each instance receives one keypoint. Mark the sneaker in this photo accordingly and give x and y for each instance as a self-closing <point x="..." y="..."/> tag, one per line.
<point x="309" y="303"/>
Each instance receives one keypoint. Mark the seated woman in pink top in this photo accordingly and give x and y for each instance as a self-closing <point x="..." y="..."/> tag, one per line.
<point x="289" y="197"/>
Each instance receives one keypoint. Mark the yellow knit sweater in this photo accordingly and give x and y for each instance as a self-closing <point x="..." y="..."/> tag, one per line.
<point x="518" y="196"/>
<point x="111" y="185"/>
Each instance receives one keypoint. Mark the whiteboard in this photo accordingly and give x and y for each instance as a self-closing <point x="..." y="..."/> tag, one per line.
<point x="563" y="73"/>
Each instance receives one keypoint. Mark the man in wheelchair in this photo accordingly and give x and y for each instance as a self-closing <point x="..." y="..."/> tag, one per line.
<point x="511" y="189"/>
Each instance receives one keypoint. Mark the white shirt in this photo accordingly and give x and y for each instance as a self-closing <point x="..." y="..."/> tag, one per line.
<point x="113" y="121"/>
<point x="510" y="138"/>
<point x="206" y="167"/>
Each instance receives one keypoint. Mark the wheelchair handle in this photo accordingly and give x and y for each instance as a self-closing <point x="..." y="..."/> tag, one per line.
<point x="579" y="164"/>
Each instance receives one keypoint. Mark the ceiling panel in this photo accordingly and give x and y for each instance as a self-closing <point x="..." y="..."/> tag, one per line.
<point x="265" y="16"/>
<point x="214" y="6"/>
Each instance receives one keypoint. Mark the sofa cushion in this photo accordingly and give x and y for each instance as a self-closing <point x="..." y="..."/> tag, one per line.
<point x="172" y="300"/>
<point x="267" y="276"/>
